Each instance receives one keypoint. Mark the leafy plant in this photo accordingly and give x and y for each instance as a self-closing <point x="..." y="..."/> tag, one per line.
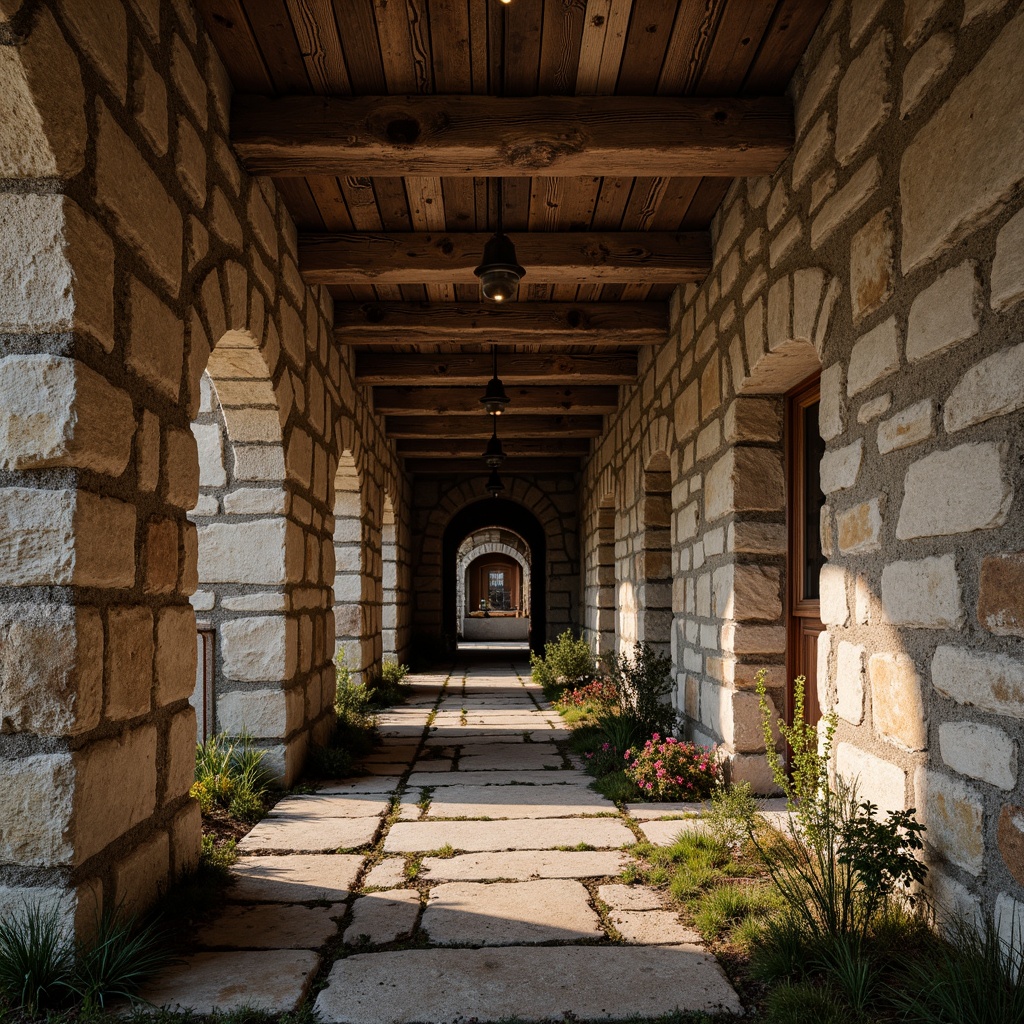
<point x="567" y="663"/>
<point x="36" y="959"/>
<point x="331" y="762"/>
<point x="231" y="774"/>
<point x="617" y="786"/>
<point x="387" y="687"/>
<point x="217" y="857"/>
<point x="732" y="813"/>
<point x="644" y="682"/>
<point x="671" y="769"/>
<point x="622" y="732"/>
<point x="600" y="695"/>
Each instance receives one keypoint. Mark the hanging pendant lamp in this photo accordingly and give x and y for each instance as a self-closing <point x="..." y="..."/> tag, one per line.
<point x="494" y="454"/>
<point x="500" y="272"/>
<point x="494" y="398"/>
<point x="494" y="486"/>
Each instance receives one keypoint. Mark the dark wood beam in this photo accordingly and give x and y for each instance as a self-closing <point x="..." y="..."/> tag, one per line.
<point x="478" y="426"/>
<point x="550" y="257"/>
<point x="459" y="368"/>
<point x="521" y="323"/>
<point x="584" y="399"/>
<point x="515" y="447"/>
<point x="477" y="136"/>
<point x="476" y="467"/>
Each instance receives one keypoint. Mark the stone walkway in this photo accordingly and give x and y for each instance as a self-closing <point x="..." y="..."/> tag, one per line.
<point x="470" y="873"/>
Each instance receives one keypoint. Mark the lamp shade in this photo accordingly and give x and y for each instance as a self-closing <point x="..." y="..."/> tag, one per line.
<point x="494" y="454"/>
<point x="494" y="486"/>
<point x="499" y="272"/>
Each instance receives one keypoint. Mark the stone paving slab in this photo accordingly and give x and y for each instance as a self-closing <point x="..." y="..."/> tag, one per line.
<point x="298" y="879"/>
<point x="462" y="736"/>
<point x="528" y="756"/>
<point x="388" y="874"/>
<point x="272" y="926"/>
<point x="630" y="897"/>
<point x="510" y="913"/>
<point x="272" y="980"/>
<point x="380" y="917"/>
<point x="323" y="805"/>
<point x="668" y="810"/>
<point x="664" y="832"/>
<point x="362" y="784"/>
<point x="532" y="984"/>
<point x="321" y="835"/>
<point x="541" y="777"/>
<point x="653" y="928"/>
<point x="522" y="834"/>
<point x="523" y="865"/>
<point x="517" y="802"/>
<point x="391" y="769"/>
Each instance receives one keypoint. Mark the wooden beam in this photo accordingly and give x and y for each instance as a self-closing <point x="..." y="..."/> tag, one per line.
<point x="521" y="323"/>
<point x="515" y="447"/>
<point x="478" y="136"/>
<point x="552" y="427"/>
<point x="550" y="257"/>
<point x="475" y="467"/>
<point x="459" y="368"/>
<point x="584" y="399"/>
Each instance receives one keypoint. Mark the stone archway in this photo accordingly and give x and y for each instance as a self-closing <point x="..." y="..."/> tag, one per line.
<point x="484" y="542"/>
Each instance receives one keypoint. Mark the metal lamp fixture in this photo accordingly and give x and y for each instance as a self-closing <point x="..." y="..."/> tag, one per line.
<point x="494" y="486"/>
<point x="500" y="271"/>
<point x="494" y="454"/>
<point x="494" y="398"/>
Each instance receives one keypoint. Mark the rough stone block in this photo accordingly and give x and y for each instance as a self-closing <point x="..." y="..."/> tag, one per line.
<point x="864" y="183"/>
<point x="850" y="682"/>
<point x="983" y="752"/>
<point x="859" y="529"/>
<point x="260" y="649"/>
<point x="908" y="427"/>
<point x="831" y="412"/>
<point x="992" y="682"/>
<point x="251" y="552"/>
<point x="1001" y="594"/>
<point x="210" y="446"/>
<point x="954" y="815"/>
<point x="880" y="781"/>
<point x="864" y="97"/>
<point x="180" y="470"/>
<point x="980" y="499"/>
<point x="924" y="593"/>
<point x="141" y="877"/>
<point x="834" y="607"/>
<point x="839" y="467"/>
<point x="924" y="69"/>
<point x="874" y="356"/>
<point x="383" y="917"/>
<point x="150" y="102"/>
<point x="871" y="265"/>
<point x="260" y="713"/>
<point x="993" y="387"/>
<point x="744" y="479"/>
<point x="944" y="314"/>
<point x="753" y="419"/>
<point x="1007" y="279"/>
<point x="161" y="556"/>
<point x="129" y="661"/>
<point x="897" y="704"/>
<point x="175" y="654"/>
<point x="969" y="158"/>
<point x="1011" y="839"/>
<point x="33" y="784"/>
<point x="101" y="30"/>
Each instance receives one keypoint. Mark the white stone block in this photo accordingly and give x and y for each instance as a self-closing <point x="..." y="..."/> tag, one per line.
<point x="839" y="467"/>
<point x="850" y="682"/>
<point x="992" y="682"/>
<point x="211" y="454"/>
<point x="993" y="387"/>
<point x="897" y="703"/>
<point x="953" y="814"/>
<point x="924" y="593"/>
<point x="831" y="413"/>
<point x="262" y="714"/>
<point x="877" y="780"/>
<point x="908" y="427"/>
<point x="945" y="313"/>
<point x="874" y="356"/>
<point x="259" y="649"/>
<point x="834" y="608"/>
<point x="864" y="97"/>
<point x="983" y="752"/>
<point x="1008" y="266"/>
<point x="252" y="552"/>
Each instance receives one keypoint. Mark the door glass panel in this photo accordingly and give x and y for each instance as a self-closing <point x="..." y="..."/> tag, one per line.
<point x="814" y="500"/>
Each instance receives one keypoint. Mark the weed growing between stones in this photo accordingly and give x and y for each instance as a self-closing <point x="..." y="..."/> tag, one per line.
<point x="567" y="663"/>
<point x="231" y="775"/>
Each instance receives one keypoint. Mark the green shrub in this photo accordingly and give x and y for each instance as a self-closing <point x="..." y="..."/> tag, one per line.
<point x="567" y="663"/>
<point x="732" y="813"/>
<point x="231" y="774"/>
<point x="804" y="1003"/>
<point x="617" y="786"/>
<point x="217" y="857"/>
<point x="671" y="769"/>
<point x="644" y="682"/>
<point x="386" y="688"/>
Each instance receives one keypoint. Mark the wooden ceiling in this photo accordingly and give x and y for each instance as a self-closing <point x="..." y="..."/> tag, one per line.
<point x="614" y="128"/>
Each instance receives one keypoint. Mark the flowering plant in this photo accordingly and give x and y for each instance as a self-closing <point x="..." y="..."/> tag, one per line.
<point x="603" y="759"/>
<point x="671" y="769"/>
<point x="599" y="693"/>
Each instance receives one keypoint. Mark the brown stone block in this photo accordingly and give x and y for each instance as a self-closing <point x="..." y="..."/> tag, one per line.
<point x="161" y="556"/>
<point x="1011" y="840"/>
<point x="1001" y="594"/>
<point x="129" y="661"/>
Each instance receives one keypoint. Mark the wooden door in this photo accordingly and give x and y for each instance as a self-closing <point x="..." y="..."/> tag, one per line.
<point x="804" y="451"/>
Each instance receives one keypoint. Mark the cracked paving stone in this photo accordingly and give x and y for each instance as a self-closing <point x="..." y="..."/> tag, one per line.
<point x="380" y="917"/>
<point x="630" y="897"/>
<point x="324" y="805"/>
<point x="653" y="928"/>
<point x="294" y="879"/>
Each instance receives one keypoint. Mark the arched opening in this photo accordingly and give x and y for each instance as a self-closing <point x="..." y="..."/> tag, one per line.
<point x="493" y="587"/>
<point x="654" y="569"/>
<point x="350" y="627"/>
<point x="502" y="514"/>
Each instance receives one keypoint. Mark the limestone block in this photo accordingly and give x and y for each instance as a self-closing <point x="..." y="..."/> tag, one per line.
<point x="211" y="455"/>
<point x="877" y="780"/>
<point x="993" y="387"/>
<point x="862" y="15"/>
<point x="812" y="150"/>
<point x="44" y="132"/>
<point x="180" y="474"/>
<point x="130" y="760"/>
<point x="945" y="313"/>
<point x="186" y="830"/>
<point x="874" y="356"/>
<point x="101" y="30"/>
<point x="262" y="649"/>
<point x="859" y="529"/>
<point x="925" y="68"/>
<point x="831" y="413"/>
<point x="897" y="705"/>
<point x="156" y="346"/>
<point x="908" y="427"/>
<point x="149" y="101"/>
<point x="992" y="682"/>
<point x="161" y="556"/>
<point x="839" y="467"/>
<point x="753" y="419"/>
<point x="190" y="84"/>
<point x="142" y="877"/>
<point x="36" y="808"/>
<point x="818" y="84"/>
<point x="744" y="479"/>
<point x="917" y="18"/>
<point x="871" y="265"/>
<point x="969" y="158"/>
<point x="747" y="732"/>
<point x="954" y="815"/>
<point x="864" y="97"/>
<point x="56" y="268"/>
<point x="1011" y="839"/>
<point x="747" y="592"/>
<point x="259" y="462"/>
<point x="147" y="452"/>
<point x="260" y="713"/>
<point x="835" y="610"/>
<point x="223" y="220"/>
<point x="129" y="661"/>
<point x="57" y="412"/>
<point x="250" y="552"/>
<point x="874" y="408"/>
<point x="850" y="682"/>
<point x="747" y="638"/>
<point x="980" y="499"/>
<point x="924" y="593"/>
<point x="145" y="215"/>
<point x="983" y="752"/>
<point x="256" y="501"/>
<point x="1001" y="594"/>
<point x="863" y="184"/>
<point x="181" y="757"/>
<point x="954" y="902"/>
<point x="175" y="662"/>
<point x="1009" y="921"/>
<point x="1008" y="267"/>
<point x="191" y="162"/>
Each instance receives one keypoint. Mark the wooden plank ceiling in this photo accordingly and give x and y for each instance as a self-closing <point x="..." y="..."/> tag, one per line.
<point x="614" y="128"/>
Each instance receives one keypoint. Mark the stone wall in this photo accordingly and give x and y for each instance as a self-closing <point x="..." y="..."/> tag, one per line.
<point x="131" y="248"/>
<point x="888" y="251"/>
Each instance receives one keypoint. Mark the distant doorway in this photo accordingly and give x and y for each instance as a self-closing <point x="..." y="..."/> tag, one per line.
<point x="804" y="450"/>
